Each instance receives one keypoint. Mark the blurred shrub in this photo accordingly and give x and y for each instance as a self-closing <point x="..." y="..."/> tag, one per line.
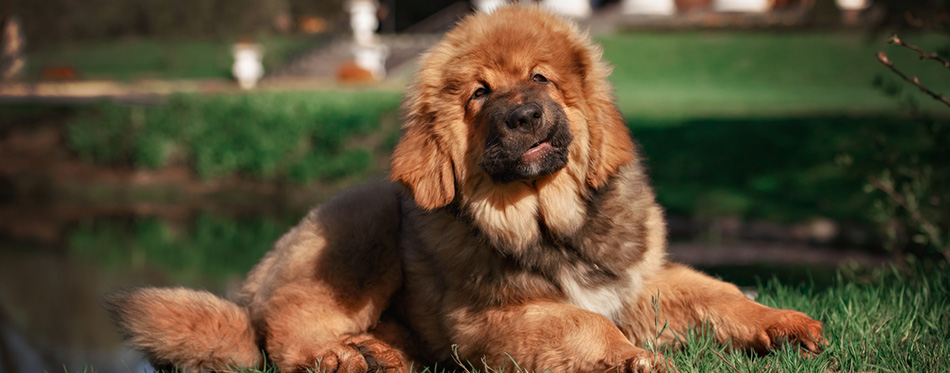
<point x="262" y="135"/>
<point x="319" y="166"/>
<point x="779" y="169"/>
<point x="911" y="190"/>
<point x="102" y="136"/>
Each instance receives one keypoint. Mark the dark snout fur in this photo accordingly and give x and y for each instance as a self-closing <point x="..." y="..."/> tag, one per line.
<point x="528" y="135"/>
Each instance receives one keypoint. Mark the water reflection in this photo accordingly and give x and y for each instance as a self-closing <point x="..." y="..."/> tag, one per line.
<point x="50" y="315"/>
<point x="207" y="250"/>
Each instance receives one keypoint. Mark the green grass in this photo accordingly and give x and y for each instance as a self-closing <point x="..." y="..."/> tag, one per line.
<point x="668" y="77"/>
<point x="883" y="321"/>
<point x="159" y="58"/>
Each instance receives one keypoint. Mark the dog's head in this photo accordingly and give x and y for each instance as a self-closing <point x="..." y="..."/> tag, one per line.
<point x="509" y="98"/>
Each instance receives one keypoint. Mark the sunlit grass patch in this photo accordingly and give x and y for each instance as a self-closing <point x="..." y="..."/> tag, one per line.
<point x="723" y="74"/>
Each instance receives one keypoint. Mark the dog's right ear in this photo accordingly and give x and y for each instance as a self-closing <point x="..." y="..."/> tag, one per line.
<point x="421" y="163"/>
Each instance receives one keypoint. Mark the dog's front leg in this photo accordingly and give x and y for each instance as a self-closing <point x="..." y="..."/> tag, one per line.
<point x="679" y="298"/>
<point x="546" y="336"/>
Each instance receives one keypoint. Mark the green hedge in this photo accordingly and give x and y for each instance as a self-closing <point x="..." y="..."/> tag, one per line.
<point x="265" y="136"/>
<point x="777" y="169"/>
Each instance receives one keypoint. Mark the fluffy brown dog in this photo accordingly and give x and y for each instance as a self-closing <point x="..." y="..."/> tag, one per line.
<point x="521" y="227"/>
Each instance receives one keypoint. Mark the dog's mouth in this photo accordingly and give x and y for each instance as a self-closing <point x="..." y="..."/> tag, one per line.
<point x="537" y="151"/>
<point x="535" y="158"/>
<point x="527" y="146"/>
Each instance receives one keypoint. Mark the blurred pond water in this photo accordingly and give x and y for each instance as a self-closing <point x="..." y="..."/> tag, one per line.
<point x="50" y="293"/>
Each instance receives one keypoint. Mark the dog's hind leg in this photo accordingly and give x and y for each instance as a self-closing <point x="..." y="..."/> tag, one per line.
<point x="327" y="281"/>
<point x="679" y="298"/>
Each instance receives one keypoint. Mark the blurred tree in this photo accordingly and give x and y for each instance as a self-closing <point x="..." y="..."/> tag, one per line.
<point x="914" y="14"/>
<point x="53" y="21"/>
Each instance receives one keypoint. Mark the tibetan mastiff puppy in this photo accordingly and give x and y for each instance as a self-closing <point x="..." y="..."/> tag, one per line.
<point x="519" y="227"/>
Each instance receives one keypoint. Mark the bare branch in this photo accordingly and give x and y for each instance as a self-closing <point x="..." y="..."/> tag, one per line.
<point x="928" y="227"/>
<point x="924" y="55"/>
<point x="881" y="56"/>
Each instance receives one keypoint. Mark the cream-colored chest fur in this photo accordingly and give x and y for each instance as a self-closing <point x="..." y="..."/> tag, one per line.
<point x="611" y="298"/>
<point x="606" y="299"/>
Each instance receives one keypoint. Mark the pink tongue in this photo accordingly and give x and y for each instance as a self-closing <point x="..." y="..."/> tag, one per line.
<point x="537" y="152"/>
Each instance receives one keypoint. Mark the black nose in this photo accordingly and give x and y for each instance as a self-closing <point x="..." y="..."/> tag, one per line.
<point x="524" y="116"/>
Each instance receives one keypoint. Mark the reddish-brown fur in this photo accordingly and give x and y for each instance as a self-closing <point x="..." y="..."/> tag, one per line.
<point x="564" y="271"/>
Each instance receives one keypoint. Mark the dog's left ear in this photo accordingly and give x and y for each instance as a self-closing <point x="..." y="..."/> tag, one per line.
<point x="610" y="143"/>
<point x="420" y="163"/>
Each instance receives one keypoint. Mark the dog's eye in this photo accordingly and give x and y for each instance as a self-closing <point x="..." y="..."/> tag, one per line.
<point x="480" y="92"/>
<point x="539" y="78"/>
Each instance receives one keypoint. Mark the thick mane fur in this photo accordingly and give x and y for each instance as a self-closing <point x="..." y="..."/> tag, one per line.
<point x="511" y="215"/>
<point x="588" y="234"/>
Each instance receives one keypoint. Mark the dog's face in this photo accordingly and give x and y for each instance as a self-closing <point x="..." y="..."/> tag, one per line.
<point x="508" y="99"/>
<point x="526" y="131"/>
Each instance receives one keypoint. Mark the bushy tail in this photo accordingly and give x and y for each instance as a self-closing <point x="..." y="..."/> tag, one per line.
<point x="189" y="329"/>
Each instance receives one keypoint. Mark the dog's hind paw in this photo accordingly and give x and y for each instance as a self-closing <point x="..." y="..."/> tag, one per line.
<point x="379" y="355"/>
<point x="329" y="357"/>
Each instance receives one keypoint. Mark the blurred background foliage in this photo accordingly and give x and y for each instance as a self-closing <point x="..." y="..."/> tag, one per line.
<point x="265" y="136"/>
<point x="904" y="15"/>
<point x="65" y="20"/>
<point x="51" y="22"/>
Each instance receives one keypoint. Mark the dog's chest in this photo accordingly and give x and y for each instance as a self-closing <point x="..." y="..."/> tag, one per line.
<point x="607" y="299"/>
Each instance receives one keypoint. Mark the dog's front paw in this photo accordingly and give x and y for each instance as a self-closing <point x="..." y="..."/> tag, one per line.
<point x="791" y="327"/>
